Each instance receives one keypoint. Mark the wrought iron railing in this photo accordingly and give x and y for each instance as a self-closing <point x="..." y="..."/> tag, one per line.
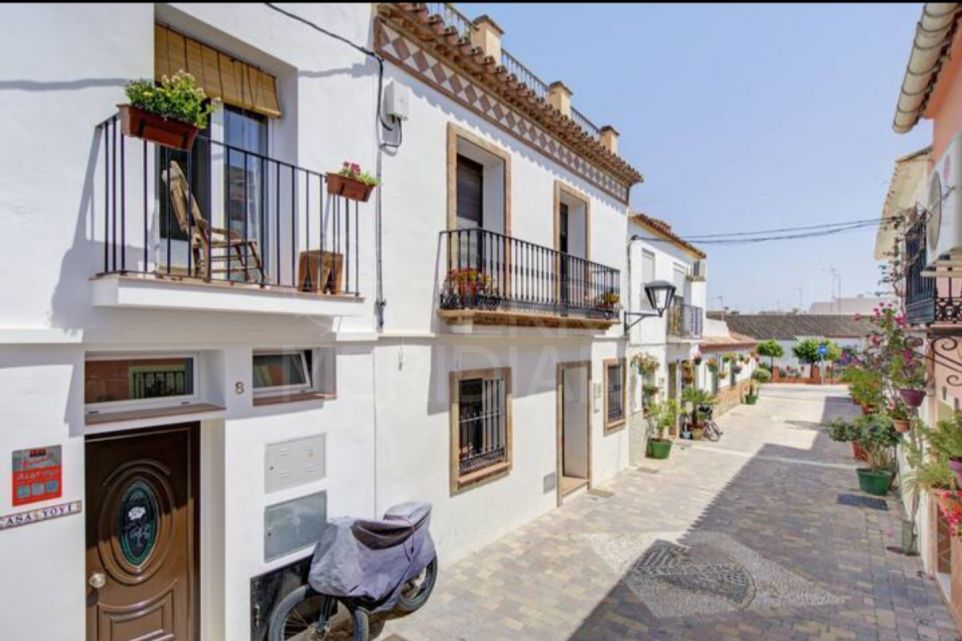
<point x="524" y="75"/>
<point x="685" y="321"/>
<point x="582" y="121"/>
<point x="222" y="213"/>
<point x="462" y="24"/>
<point x="919" y="289"/>
<point x="485" y="270"/>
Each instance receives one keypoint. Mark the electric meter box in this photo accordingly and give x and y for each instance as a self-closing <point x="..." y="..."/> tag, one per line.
<point x="397" y="100"/>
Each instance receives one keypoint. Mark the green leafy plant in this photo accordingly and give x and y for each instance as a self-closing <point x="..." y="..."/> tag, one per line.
<point x="772" y="349"/>
<point x="713" y="364"/>
<point x="664" y="416"/>
<point x="762" y="375"/>
<point x="353" y="170"/>
<point x="866" y="385"/>
<point x="946" y="438"/>
<point x="176" y="97"/>
<point x="646" y="364"/>
<point x="842" y="430"/>
<point x="697" y="397"/>
<point x="878" y="438"/>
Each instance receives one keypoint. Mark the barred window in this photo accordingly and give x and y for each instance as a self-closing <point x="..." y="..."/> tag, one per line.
<point x="614" y="393"/>
<point x="480" y="424"/>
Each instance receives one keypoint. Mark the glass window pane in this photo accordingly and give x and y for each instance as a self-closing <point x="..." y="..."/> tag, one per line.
<point x="615" y="393"/>
<point x="138" y="379"/>
<point x="280" y="370"/>
<point x="245" y="131"/>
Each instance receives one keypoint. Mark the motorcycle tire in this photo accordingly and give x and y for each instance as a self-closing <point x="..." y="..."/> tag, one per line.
<point x="287" y="623"/>
<point x="416" y="592"/>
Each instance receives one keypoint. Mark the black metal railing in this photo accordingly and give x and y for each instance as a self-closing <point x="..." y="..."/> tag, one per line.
<point x="919" y="289"/>
<point x="685" y="321"/>
<point x="222" y="213"/>
<point x="485" y="270"/>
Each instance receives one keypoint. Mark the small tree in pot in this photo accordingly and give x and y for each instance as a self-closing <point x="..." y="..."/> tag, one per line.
<point x="878" y="439"/>
<point x="759" y="377"/>
<point x="696" y="399"/>
<point x="663" y="417"/>
<point x="772" y="349"/>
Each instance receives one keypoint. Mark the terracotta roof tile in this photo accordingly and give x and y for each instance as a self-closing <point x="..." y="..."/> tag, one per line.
<point x="663" y="229"/>
<point x="787" y="327"/>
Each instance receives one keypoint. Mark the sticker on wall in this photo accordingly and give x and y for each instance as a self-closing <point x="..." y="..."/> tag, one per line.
<point x="8" y="521"/>
<point x="37" y="475"/>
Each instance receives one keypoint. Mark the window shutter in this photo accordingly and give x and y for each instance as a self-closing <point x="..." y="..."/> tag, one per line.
<point x="235" y="82"/>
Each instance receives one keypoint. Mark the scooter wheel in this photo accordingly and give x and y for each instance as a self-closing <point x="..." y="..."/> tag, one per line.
<point x="415" y="592"/>
<point x="299" y="615"/>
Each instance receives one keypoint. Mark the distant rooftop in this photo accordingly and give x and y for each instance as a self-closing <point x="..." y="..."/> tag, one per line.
<point x="788" y="327"/>
<point x="848" y="305"/>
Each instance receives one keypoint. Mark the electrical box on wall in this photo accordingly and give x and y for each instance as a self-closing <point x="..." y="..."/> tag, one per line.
<point x="292" y="463"/>
<point x="397" y="100"/>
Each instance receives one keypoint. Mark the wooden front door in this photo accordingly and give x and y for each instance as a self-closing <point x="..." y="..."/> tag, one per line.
<point x="141" y="493"/>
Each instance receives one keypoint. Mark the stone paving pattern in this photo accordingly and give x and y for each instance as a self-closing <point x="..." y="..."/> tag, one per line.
<point x="743" y="539"/>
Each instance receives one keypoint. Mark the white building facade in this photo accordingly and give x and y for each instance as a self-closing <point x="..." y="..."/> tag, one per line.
<point x="197" y="413"/>
<point x="656" y="253"/>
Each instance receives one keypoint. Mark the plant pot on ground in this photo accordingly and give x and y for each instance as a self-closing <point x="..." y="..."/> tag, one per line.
<point x="169" y="113"/>
<point x="878" y="438"/>
<point x="875" y="482"/>
<point x="751" y="399"/>
<point x="663" y="416"/>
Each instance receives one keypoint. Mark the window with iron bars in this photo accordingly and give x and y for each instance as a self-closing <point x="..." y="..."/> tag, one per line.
<point x="614" y="393"/>
<point x="481" y="424"/>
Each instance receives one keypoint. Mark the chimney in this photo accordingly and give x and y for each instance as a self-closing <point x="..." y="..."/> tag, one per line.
<point x="609" y="138"/>
<point x="486" y="33"/>
<point x="559" y="97"/>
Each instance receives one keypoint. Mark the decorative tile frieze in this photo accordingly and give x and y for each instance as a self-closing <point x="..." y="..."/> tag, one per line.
<point x="414" y="59"/>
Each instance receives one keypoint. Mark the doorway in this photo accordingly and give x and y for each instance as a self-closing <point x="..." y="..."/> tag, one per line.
<point x="574" y="427"/>
<point x="142" y="534"/>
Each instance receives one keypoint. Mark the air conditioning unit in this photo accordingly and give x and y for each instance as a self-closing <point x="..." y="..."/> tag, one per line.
<point x="698" y="271"/>
<point x="944" y="225"/>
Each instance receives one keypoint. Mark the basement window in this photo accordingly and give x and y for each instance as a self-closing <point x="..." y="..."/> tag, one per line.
<point x="122" y="382"/>
<point x="293" y="374"/>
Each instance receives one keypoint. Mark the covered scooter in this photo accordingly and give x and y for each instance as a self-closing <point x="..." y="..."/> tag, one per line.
<point x="368" y="566"/>
<point x="373" y="560"/>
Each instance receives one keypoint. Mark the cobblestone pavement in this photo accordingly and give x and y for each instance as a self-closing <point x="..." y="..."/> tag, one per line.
<point x="740" y="539"/>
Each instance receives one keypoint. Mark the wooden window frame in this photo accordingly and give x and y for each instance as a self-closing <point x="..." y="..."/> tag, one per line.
<point x="106" y="407"/>
<point x="454" y="133"/>
<point x="461" y="482"/>
<point x="614" y="426"/>
<point x="569" y="191"/>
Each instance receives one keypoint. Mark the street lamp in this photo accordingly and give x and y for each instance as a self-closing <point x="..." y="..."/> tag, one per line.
<point x="660" y="294"/>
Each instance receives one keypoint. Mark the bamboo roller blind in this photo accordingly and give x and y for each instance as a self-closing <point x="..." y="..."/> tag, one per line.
<point x="236" y="83"/>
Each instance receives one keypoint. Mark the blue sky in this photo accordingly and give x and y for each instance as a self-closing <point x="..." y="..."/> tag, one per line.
<point x="741" y="118"/>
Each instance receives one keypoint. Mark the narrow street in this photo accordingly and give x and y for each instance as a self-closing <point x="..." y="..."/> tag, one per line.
<point x="741" y="539"/>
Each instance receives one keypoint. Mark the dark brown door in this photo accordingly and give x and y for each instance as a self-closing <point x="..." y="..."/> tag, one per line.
<point x="141" y="491"/>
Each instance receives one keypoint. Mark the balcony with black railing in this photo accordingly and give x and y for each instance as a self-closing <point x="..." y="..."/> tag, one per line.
<point x="685" y="321"/>
<point x="493" y="279"/>
<point x="928" y="299"/>
<point x="254" y="233"/>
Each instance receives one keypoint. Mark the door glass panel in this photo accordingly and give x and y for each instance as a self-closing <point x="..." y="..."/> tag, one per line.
<point x="137" y="522"/>
<point x="245" y="131"/>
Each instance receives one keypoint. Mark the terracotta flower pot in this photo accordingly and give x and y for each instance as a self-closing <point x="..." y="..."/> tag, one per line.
<point x="902" y="425"/>
<point x="912" y="397"/>
<point x="157" y="129"/>
<point x="338" y="185"/>
<point x="858" y="452"/>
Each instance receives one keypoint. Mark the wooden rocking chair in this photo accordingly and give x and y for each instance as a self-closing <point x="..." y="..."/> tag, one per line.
<point x="228" y="251"/>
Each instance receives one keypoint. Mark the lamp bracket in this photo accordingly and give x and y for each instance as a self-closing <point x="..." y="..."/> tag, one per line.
<point x="639" y="316"/>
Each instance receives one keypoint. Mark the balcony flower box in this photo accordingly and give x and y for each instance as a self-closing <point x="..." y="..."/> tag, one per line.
<point x="167" y="132"/>
<point x="170" y="112"/>
<point x="351" y="183"/>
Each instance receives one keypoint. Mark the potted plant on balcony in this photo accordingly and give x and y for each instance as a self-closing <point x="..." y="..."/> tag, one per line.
<point x="608" y="303"/>
<point x="663" y="417"/>
<point x="351" y="182"/>
<point x="687" y="372"/>
<point x="468" y="283"/>
<point x="169" y="112"/>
